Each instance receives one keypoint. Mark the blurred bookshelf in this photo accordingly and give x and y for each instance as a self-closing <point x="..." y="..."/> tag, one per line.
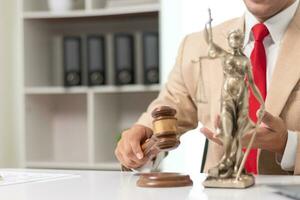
<point x="77" y="127"/>
<point x="102" y="89"/>
<point x="97" y="12"/>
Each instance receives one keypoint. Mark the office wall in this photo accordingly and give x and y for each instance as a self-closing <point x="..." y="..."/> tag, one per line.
<point x="7" y="35"/>
<point x="182" y="17"/>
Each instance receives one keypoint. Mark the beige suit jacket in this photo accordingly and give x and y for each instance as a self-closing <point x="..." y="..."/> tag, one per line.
<point x="197" y="100"/>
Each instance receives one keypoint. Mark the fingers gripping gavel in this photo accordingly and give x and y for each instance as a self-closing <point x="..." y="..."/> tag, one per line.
<point x="165" y="132"/>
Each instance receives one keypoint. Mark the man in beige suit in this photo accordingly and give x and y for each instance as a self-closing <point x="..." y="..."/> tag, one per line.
<point x="277" y="140"/>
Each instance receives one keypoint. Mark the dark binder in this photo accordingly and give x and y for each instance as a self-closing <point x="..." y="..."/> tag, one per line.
<point x="96" y="60"/>
<point x="72" y="61"/>
<point x="124" y="59"/>
<point x="151" y="57"/>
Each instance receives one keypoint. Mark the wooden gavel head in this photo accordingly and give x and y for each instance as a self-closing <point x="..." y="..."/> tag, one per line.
<point x="165" y="128"/>
<point x="165" y="132"/>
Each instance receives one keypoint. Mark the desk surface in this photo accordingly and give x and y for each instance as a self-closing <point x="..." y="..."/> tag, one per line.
<point x="98" y="185"/>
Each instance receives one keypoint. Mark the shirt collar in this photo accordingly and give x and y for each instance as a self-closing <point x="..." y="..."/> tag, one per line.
<point x="276" y="25"/>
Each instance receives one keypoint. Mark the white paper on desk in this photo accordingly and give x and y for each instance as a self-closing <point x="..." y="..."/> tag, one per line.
<point x="17" y="177"/>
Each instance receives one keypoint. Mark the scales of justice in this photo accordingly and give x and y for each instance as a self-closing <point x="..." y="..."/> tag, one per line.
<point x="234" y="117"/>
<point x="234" y="122"/>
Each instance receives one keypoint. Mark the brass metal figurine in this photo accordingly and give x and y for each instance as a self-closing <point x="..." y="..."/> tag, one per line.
<point x="234" y="119"/>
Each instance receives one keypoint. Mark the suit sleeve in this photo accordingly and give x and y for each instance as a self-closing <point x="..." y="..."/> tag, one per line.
<point x="289" y="156"/>
<point x="176" y="95"/>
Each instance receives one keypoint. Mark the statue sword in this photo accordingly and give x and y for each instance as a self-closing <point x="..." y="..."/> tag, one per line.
<point x="249" y="147"/>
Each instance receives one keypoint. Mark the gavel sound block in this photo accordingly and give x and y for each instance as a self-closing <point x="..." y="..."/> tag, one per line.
<point x="164" y="138"/>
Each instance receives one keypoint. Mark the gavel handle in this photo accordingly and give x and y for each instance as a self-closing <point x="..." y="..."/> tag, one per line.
<point x="148" y="148"/>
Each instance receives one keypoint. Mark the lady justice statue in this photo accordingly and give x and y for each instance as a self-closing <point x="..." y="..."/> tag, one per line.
<point x="234" y="119"/>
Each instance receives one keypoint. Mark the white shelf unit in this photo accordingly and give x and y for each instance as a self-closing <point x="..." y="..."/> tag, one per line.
<point x="77" y="127"/>
<point x="102" y="89"/>
<point x="134" y="9"/>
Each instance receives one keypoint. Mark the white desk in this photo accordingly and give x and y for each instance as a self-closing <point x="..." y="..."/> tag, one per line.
<point x="98" y="185"/>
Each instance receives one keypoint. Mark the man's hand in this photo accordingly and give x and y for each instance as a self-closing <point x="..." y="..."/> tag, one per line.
<point x="210" y="134"/>
<point x="271" y="135"/>
<point x="128" y="150"/>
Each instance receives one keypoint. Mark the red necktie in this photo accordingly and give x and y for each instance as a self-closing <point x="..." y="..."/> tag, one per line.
<point x="259" y="66"/>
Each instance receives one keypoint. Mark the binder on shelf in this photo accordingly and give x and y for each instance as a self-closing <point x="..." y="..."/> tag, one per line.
<point x="151" y="57"/>
<point x="72" y="61"/>
<point x="96" y="62"/>
<point x="124" y="59"/>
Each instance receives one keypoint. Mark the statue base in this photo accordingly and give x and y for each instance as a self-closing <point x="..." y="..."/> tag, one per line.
<point x="160" y="179"/>
<point x="245" y="181"/>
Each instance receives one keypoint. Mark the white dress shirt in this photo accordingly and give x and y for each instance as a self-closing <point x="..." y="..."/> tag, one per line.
<point x="277" y="26"/>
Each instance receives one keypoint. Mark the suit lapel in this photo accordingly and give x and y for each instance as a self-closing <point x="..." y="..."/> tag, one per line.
<point x="287" y="70"/>
<point x="285" y="76"/>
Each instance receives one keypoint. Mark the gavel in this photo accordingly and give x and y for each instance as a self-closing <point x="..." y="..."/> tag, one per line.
<point x="165" y="133"/>
<point x="165" y="138"/>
